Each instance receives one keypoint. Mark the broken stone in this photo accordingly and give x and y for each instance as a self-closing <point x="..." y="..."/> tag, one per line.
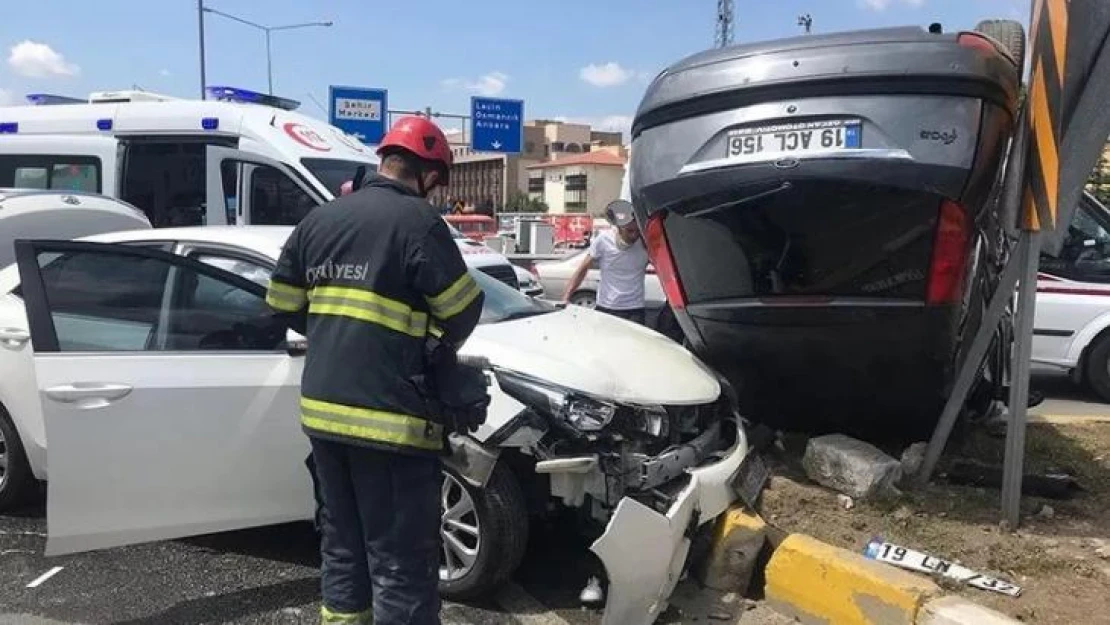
<point x="912" y="459"/>
<point x="845" y="501"/>
<point x="720" y="616"/>
<point x="902" y="513"/>
<point x="1046" y="512"/>
<point x="851" y="467"/>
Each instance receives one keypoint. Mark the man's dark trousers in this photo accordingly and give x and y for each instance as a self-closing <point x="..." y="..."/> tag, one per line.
<point x="380" y="540"/>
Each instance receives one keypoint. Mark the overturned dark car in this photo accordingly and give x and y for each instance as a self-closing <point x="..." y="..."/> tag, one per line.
<point x="822" y="214"/>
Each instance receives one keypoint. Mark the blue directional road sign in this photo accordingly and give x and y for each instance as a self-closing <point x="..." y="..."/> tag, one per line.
<point x="359" y="111"/>
<point x="496" y="125"/>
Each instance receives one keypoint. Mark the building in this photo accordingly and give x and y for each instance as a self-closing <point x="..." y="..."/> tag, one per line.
<point x="578" y="183"/>
<point x="491" y="179"/>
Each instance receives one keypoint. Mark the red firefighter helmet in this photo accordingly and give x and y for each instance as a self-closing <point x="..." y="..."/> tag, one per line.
<point x="421" y="137"/>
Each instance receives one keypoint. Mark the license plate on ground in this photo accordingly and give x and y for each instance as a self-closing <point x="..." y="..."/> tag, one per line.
<point x="798" y="138"/>
<point x="750" y="478"/>
<point x="914" y="560"/>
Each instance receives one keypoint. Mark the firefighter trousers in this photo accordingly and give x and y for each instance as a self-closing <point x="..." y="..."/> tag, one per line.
<point x="380" y="544"/>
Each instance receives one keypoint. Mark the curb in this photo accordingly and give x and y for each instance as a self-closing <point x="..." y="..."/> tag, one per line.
<point x="817" y="583"/>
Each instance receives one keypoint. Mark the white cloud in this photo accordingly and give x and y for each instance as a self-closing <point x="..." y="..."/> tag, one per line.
<point x="882" y="5"/>
<point x="165" y="73"/>
<point x="608" y="74"/>
<point x="7" y="98"/>
<point x="38" y="60"/>
<point x="490" y="84"/>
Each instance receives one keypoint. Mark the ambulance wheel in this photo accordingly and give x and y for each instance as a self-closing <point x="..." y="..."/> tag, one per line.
<point x="484" y="533"/>
<point x="1009" y="33"/>
<point x="16" y="479"/>
<point x="1097" y="367"/>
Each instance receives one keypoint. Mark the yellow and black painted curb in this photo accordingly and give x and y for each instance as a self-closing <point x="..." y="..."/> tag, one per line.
<point x="815" y="582"/>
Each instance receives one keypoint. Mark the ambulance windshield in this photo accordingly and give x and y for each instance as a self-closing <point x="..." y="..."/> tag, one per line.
<point x="333" y="172"/>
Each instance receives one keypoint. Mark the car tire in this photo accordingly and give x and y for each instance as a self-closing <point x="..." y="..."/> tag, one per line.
<point x="585" y="299"/>
<point x="502" y="527"/>
<point x="1097" y="367"/>
<point x="16" y="479"/>
<point x="1009" y="33"/>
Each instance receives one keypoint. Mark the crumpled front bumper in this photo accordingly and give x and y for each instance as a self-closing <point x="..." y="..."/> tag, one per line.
<point x="644" y="551"/>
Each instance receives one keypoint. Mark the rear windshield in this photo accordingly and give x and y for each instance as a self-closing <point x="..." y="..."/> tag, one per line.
<point x="808" y="238"/>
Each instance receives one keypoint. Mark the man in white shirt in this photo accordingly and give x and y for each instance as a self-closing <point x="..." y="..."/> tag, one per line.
<point x="623" y="260"/>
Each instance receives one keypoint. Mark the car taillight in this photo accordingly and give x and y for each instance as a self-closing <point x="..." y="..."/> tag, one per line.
<point x="660" y="252"/>
<point x="977" y="41"/>
<point x="946" y="271"/>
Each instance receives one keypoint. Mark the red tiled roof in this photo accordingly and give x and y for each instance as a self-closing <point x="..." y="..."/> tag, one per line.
<point x="600" y="157"/>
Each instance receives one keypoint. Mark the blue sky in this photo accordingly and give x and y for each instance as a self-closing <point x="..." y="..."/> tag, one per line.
<point x="585" y="60"/>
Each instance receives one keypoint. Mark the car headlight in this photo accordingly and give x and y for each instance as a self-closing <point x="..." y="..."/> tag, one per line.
<point x="583" y="413"/>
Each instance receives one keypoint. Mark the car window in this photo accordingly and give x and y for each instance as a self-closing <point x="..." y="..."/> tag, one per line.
<point x="103" y="302"/>
<point x="207" y="313"/>
<point x="1085" y="253"/>
<point x="252" y="271"/>
<point x="113" y="301"/>
<point x="276" y="200"/>
<point x="62" y="171"/>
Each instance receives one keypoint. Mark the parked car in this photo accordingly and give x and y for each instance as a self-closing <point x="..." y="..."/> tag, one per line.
<point x="529" y="283"/>
<point x="168" y="395"/>
<point x="72" y="214"/>
<point x="554" y="275"/>
<point x="480" y="256"/>
<point x="1071" y="326"/>
<point x="821" y="212"/>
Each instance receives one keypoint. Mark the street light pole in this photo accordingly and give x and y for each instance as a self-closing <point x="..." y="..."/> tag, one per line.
<point x="267" y="30"/>
<point x="200" y="29"/>
<point x="269" y="65"/>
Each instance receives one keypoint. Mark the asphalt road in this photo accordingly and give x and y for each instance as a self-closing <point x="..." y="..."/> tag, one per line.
<point x="1065" y="399"/>
<point x="270" y="576"/>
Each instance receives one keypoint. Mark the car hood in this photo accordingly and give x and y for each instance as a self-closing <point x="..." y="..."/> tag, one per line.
<point x="599" y="355"/>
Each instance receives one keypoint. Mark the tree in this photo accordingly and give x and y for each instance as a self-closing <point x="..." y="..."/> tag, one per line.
<point x="1098" y="183"/>
<point x="521" y="203"/>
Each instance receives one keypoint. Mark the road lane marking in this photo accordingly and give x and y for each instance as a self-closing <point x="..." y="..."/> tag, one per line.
<point x="45" y="576"/>
<point x="525" y="609"/>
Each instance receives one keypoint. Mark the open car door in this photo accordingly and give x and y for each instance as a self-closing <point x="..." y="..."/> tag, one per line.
<point x="246" y="188"/>
<point x="169" y="400"/>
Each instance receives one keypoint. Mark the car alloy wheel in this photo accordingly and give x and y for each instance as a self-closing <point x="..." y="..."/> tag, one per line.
<point x="459" y="528"/>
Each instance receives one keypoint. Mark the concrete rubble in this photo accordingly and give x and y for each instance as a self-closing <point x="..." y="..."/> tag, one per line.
<point x="852" y="467"/>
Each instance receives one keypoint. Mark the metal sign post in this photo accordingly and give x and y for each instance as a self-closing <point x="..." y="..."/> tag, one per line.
<point x="1063" y="127"/>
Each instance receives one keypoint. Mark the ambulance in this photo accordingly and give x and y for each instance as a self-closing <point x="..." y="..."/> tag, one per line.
<point x="238" y="157"/>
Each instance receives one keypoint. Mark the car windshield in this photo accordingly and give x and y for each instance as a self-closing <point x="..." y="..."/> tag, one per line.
<point x="502" y="302"/>
<point x="333" y="172"/>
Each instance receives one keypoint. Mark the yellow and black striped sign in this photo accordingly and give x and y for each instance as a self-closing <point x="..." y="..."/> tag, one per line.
<point x="1044" y="112"/>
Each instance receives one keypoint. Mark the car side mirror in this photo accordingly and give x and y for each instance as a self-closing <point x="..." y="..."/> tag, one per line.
<point x="295" y="344"/>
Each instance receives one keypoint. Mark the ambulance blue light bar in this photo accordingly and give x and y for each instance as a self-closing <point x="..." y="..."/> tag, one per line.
<point x="46" y="99"/>
<point x="235" y="94"/>
<point x="104" y="124"/>
<point x="9" y="128"/>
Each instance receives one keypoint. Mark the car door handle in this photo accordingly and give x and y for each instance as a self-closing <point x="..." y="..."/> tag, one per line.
<point x="13" y="337"/>
<point x="90" y="395"/>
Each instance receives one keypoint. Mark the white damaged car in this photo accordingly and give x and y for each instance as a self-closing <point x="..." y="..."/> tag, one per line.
<point x="170" y="406"/>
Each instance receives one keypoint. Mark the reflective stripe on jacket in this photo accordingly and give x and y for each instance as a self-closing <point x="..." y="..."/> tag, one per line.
<point x="366" y="277"/>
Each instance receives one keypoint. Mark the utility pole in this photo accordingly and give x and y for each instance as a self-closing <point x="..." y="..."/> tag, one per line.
<point x="723" y="36"/>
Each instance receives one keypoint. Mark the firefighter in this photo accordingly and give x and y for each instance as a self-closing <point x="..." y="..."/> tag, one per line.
<point x="378" y="287"/>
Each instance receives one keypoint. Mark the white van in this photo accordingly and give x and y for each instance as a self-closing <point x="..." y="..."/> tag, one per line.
<point x="240" y="157"/>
